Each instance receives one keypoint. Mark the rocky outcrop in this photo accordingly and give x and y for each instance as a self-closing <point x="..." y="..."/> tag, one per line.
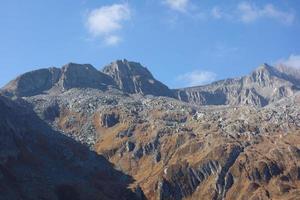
<point x="132" y="77"/>
<point x="264" y="85"/>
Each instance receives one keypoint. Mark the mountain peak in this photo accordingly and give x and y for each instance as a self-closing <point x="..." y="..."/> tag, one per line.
<point x="265" y="68"/>
<point x="132" y="77"/>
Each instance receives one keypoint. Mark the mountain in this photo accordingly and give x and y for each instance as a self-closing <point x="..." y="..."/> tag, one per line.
<point x="40" y="163"/>
<point x="264" y="85"/>
<point x="175" y="150"/>
<point x="132" y="77"/>
<point x="233" y="139"/>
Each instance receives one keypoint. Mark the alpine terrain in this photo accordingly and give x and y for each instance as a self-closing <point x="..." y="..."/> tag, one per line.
<point x="76" y="132"/>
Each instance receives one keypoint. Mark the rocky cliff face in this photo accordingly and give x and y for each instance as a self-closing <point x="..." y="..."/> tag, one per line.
<point x="263" y="86"/>
<point x="132" y="77"/>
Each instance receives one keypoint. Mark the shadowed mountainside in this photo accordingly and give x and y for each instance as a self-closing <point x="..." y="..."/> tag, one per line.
<point x="39" y="163"/>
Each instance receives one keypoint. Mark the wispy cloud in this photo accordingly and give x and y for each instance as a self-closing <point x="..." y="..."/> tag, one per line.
<point x="106" y="21"/>
<point x="250" y="12"/>
<point x="291" y="61"/>
<point x="246" y="12"/>
<point x="177" y="5"/>
<point x="218" y="13"/>
<point x="197" y="77"/>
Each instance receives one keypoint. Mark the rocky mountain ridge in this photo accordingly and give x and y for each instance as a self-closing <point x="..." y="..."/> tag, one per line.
<point x="264" y="85"/>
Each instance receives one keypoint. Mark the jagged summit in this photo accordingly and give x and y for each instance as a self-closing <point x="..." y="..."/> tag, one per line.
<point x="132" y="77"/>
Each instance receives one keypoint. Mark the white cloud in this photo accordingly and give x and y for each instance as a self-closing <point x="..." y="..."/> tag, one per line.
<point x="250" y="13"/>
<point x="291" y="61"/>
<point x="178" y="5"/>
<point x="196" y="78"/>
<point x="106" y="21"/>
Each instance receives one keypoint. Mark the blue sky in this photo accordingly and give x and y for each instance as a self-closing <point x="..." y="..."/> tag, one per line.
<point x="182" y="42"/>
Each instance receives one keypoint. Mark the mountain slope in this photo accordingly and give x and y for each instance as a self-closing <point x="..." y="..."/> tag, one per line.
<point x="39" y="163"/>
<point x="247" y="148"/>
<point x="175" y="150"/>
